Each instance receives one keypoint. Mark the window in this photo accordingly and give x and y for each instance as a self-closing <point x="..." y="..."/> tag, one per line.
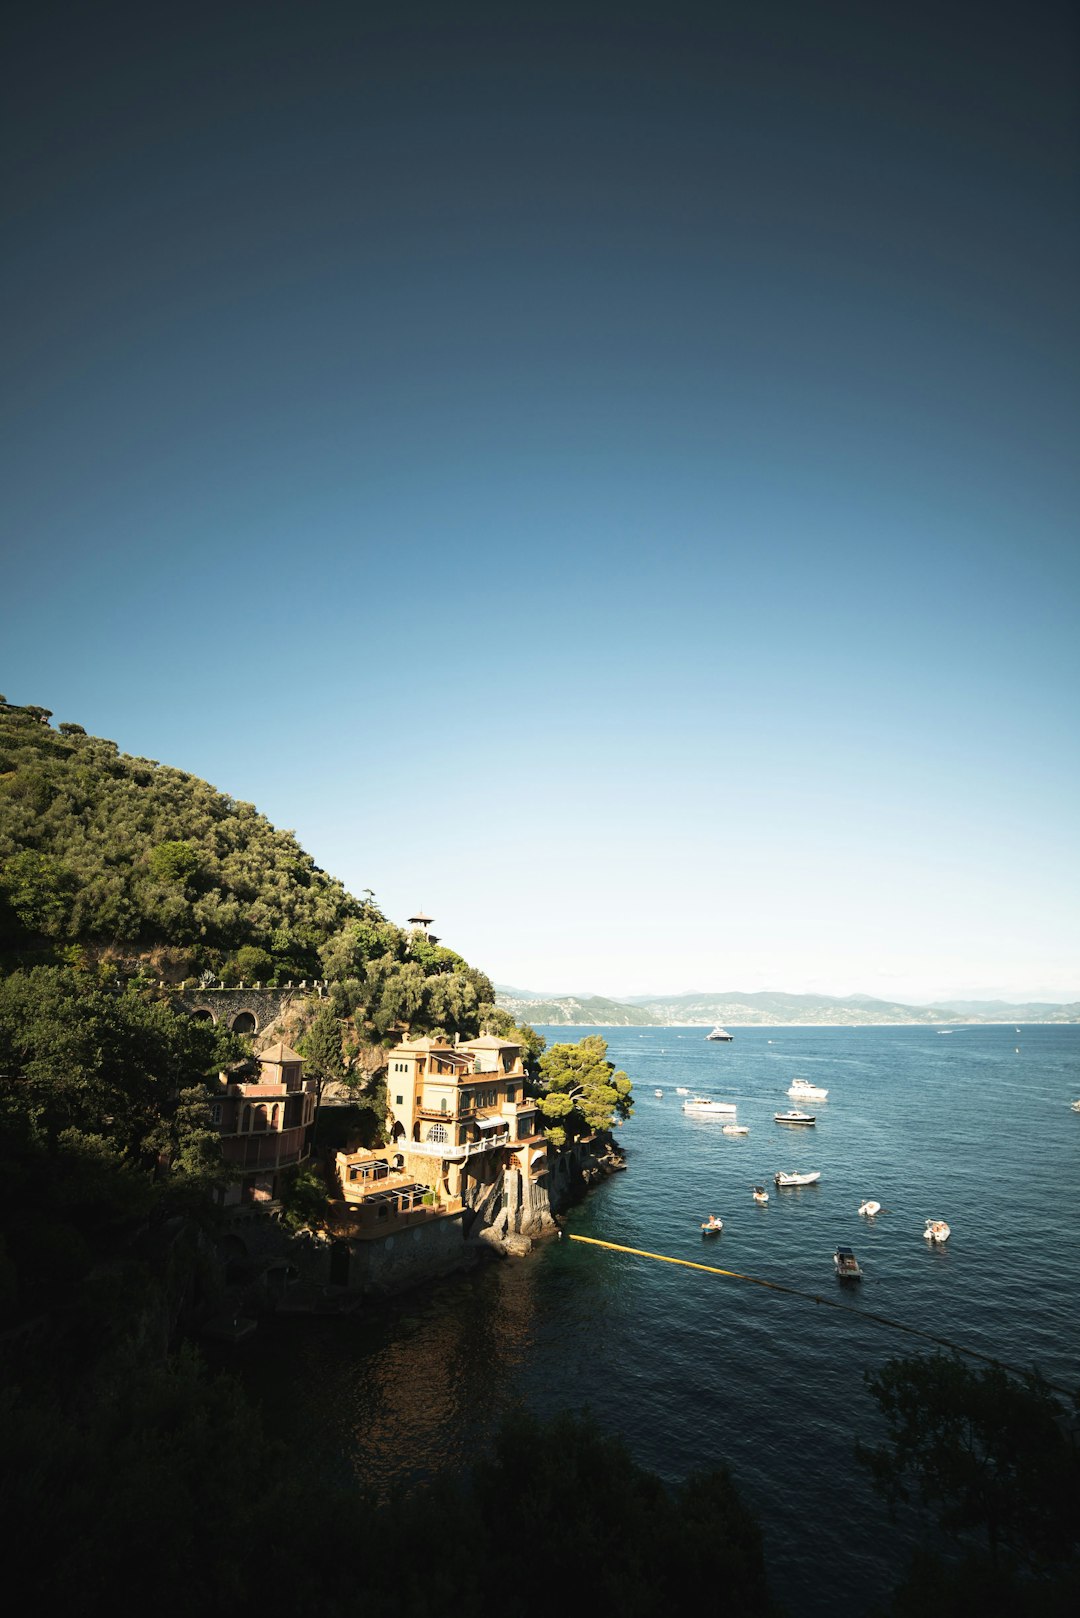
<point x="437" y="1133"/>
<point x="399" y="1101"/>
<point x="215" y="1113"/>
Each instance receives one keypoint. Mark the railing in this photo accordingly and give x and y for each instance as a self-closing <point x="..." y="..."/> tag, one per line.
<point x="449" y="1149"/>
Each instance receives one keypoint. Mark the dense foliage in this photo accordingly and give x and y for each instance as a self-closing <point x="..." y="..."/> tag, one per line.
<point x="128" y="856"/>
<point x="96" y="846"/>
<point x="165" y="1481"/>
<point x="993" y="1458"/>
<point x="104" y="1123"/>
<point x="581" y="1089"/>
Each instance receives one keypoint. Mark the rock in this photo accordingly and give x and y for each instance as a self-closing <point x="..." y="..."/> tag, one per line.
<point x="517" y="1245"/>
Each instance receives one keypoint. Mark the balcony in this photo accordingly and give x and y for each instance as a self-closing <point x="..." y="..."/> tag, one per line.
<point x="448" y="1150"/>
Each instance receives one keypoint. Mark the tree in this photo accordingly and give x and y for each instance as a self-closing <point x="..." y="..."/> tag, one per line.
<point x="174" y="861"/>
<point x="992" y="1454"/>
<point x="582" y="1088"/>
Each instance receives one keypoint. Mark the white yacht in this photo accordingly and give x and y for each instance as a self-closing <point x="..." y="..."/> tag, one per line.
<point x="719" y="1033"/>
<point x="793" y="1117"/>
<point x="798" y="1179"/>
<point x="703" y="1107"/>
<point x="803" y="1090"/>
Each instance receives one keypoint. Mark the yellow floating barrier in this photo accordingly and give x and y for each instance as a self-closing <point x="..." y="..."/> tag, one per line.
<point x="812" y="1297"/>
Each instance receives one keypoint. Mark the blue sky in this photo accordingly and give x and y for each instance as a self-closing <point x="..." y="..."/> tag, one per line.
<point x="605" y="475"/>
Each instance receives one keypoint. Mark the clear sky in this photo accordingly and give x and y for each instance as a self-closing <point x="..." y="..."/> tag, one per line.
<point x="606" y="474"/>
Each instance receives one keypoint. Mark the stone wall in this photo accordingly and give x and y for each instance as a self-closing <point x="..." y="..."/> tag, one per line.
<point x="265" y="1006"/>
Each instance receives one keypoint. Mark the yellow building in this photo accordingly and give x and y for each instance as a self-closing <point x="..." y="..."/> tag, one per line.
<point x="462" y="1111"/>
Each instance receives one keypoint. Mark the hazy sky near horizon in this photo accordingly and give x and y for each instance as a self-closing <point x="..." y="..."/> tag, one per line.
<point x="606" y="474"/>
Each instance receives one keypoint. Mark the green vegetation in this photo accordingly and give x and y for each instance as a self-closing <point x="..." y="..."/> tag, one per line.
<point x="166" y="1481"/>
<point x="581" y="1089"/>
<point x="96" y="847"/>
<point x="149" y="867"/>
<point x="993" y="1459"/>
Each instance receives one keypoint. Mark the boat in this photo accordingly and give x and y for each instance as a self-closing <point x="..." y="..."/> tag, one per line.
<point x="870" y="1209"/>
<point x="793" y="1117"/>
<point x="847" y="1265"/>
<point x="760" y="1194"/>
<point x="803" y="1090"/>
<point x="798" y="1179"/>
<point x="736" y="1129"/>
<point x="719" y="1033"/>
<point x="1075" y="1106"/>
<point x="702" y="1107"/>
<point x="937" y="1232"/>
<point x="681" y="1090"/>
<point x="658" y="1092"/>
<point x="713" y="1226"/>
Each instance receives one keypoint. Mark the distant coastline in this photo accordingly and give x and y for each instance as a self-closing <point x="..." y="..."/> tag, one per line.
<point x="771" y="1009"/>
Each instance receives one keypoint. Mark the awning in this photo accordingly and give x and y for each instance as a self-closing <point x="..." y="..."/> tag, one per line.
<point x="493" y="1123"/>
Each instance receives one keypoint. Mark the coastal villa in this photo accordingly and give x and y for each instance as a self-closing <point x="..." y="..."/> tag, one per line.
<point x="265" y="1125"/>
<point x="459" y="1117"/>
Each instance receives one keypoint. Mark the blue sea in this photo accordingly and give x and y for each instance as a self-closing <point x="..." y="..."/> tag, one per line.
<point x="973" y="1127"/>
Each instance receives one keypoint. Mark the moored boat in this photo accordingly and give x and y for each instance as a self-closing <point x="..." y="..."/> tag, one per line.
<point x="703" y="1107"/>
<point x="736" y="1129"/>
<point x="803" y="1090"/>
<point x="712" y="1226"/>
<point x="719" y="1033"/>
<point x="681" y="1090"/>
<point x="658" y="1092"/>
<point x="798" y="1179"/>
<point x="793" y="1117"/>
<point x="870" y="1209"/>
<point x="847" y="1265"/>
<point x="937" y="1232"/>
<point x="760" y="1194"/>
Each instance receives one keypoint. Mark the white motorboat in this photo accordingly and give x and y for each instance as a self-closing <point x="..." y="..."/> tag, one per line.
<point x="793" y="1117"/>
<point x="847" y="1265"/>
<point x="658" y="1092"/>
<point x="1076" y="1106"/>
<point x="713" y="1226"/>
<point x="798" y="1179"/>
<point x="719" y="1033"/>
<point x="703" y="1107"/>
<point x="736" y="1129"/>
<point x="937" y="1232"/>
<point x="760" y="1194"/>
<point x="869" y="1209"/>
<point x="803" y="1090"/>
<point x="681" y="1090"/>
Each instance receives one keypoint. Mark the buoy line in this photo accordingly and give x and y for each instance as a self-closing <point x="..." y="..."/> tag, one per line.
<point x="813" y="1297"/>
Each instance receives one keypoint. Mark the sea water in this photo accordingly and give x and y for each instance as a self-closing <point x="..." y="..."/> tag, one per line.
<point x="972" y="1127"/>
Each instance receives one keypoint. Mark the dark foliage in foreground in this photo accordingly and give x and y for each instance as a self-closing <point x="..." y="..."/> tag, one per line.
<point x="162" y="1480"/>
<point x="992" y="1460"/>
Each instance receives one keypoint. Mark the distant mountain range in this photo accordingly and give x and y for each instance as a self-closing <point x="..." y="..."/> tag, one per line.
<point x="767" y="1009"/>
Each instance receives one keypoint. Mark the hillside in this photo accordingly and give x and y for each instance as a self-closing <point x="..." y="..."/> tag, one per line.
<point x="103" y="855"/>
<point x="764" y="1009"/>
<point x="572" y="1010"/>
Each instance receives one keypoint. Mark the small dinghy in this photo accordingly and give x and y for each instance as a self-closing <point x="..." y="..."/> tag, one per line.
<point x="712" y="1226"/>
<point x="681" y="1090"/>
<point x="659" y="1094"/>
<point x="937" y="1232"/>
<point x="869" y="1209"/>
<point x="760" y="1194"/>
<point x="798" y="1179"/>
<point x="735" y="1129"/>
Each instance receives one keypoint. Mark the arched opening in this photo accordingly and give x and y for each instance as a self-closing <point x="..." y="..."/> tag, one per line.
<point x="398" y="1161"/>
<point x="437" y="1134"/>
<point x="245" y="1121"/>
<point x="203" y="1014"/>
<point x="260" y="1119"/>
<point x="398" y="1131"/>
<point x="244" y="1023"/>
<point x="275" y="1117"/>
